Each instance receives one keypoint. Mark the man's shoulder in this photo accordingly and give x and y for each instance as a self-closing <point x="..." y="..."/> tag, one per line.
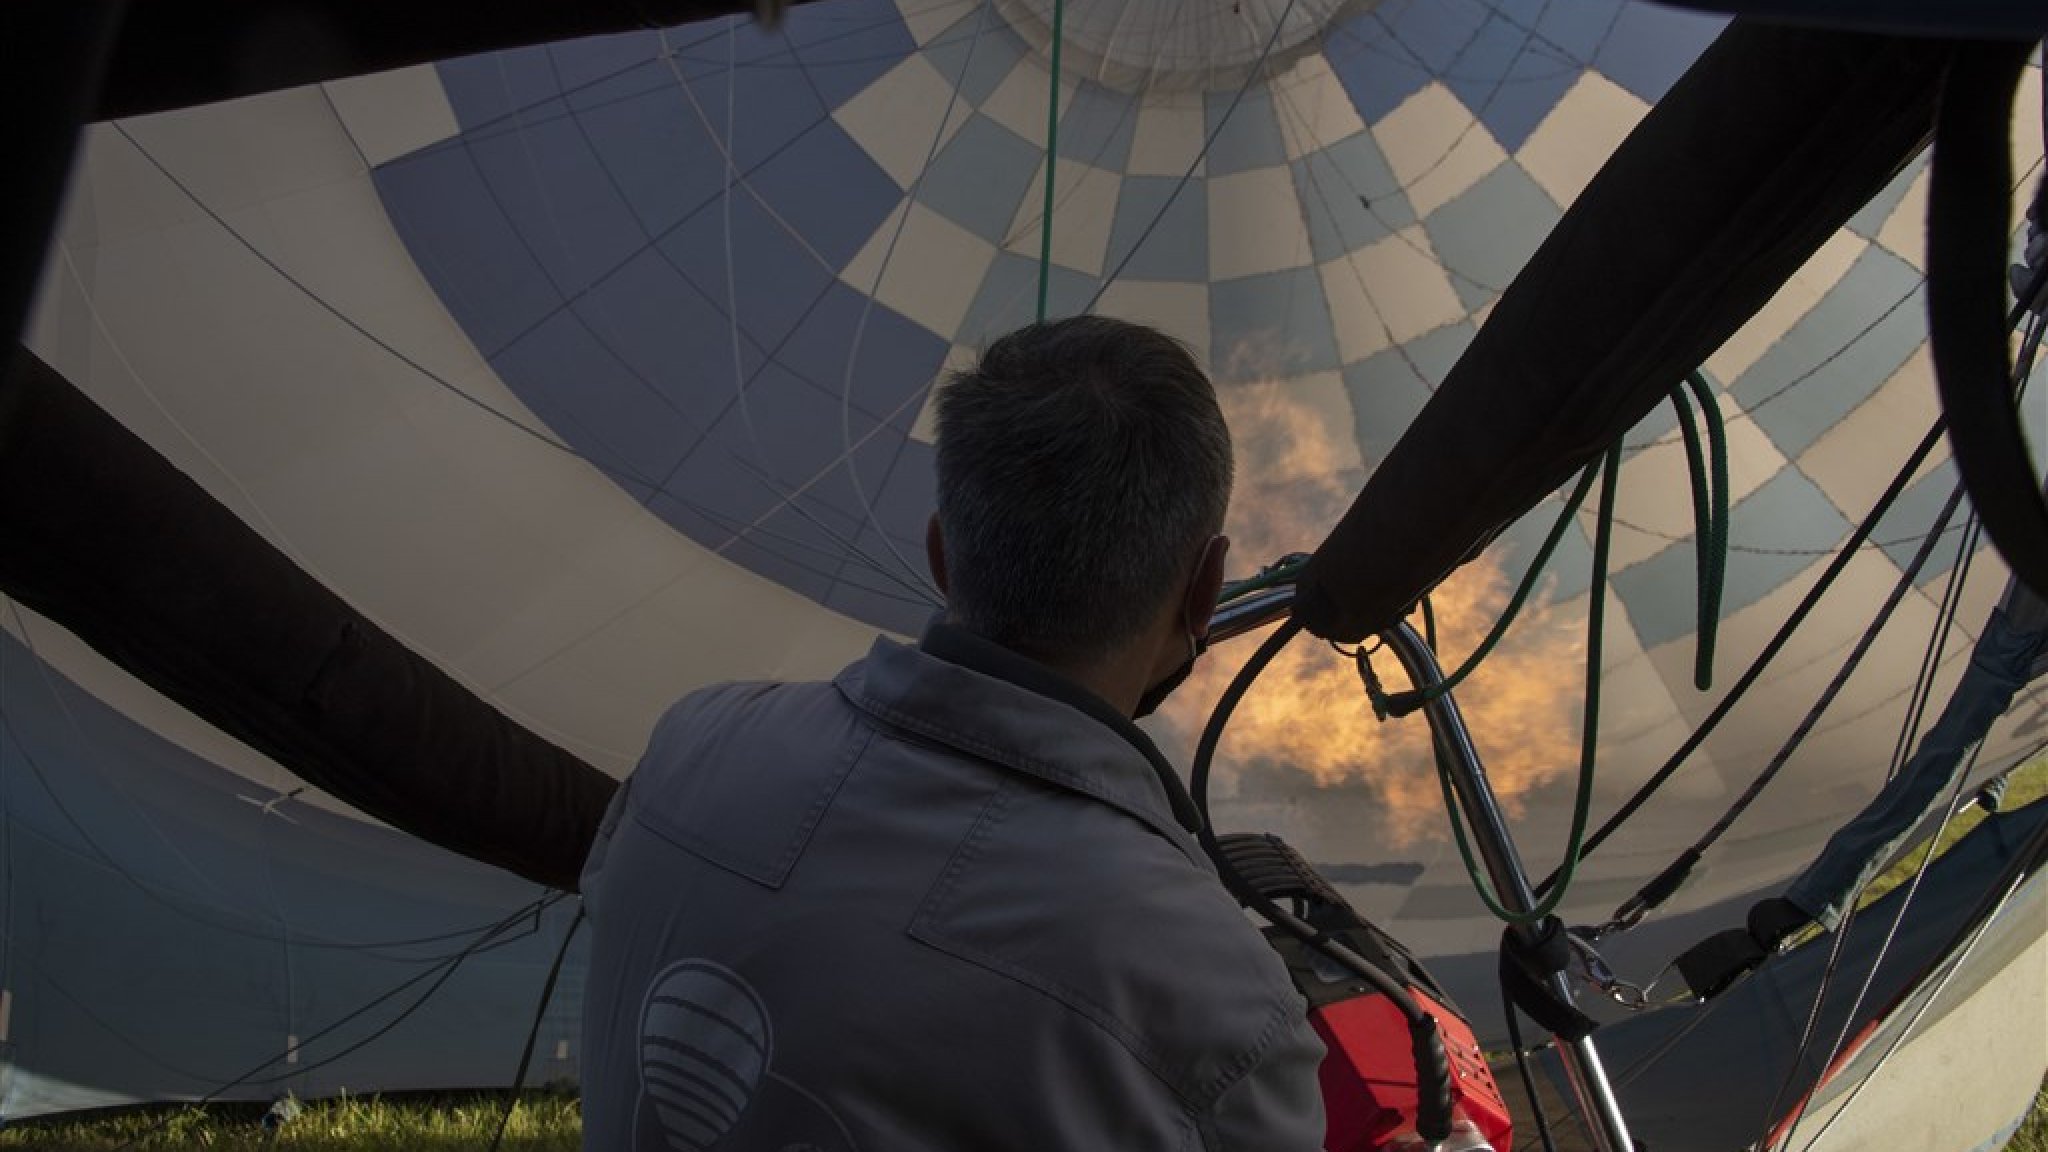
<point x="735" y="708"/>
<point x="1106" y="918"/>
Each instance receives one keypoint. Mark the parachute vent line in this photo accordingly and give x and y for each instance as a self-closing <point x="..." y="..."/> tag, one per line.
<point x="1208" y="142"/>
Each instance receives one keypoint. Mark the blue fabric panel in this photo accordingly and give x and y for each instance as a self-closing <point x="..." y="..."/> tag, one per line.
<point x="980" y="177"/>
<point x="496" y="85"/>
<point x="837" y="49"/>
<point x="1658" y="425"/>
<point x="1578" y="30"/>
<point x="1277" y="324"/>
<point x="1097" y="127"/>
<point x="1434" y="33"/>
<point x="1008" y="298"/>
<point x="1375" y="71"/>
<point x="665" y="162"/>
<point x="595" y="402"/>
<point x="977" y="54"/>
<point x="909" y="495"/>
<point x="1570" y="570"/>
<point x="1772" y="537"/>
<point x="771" y="108"/>
<point x="1483" y="237"/>
<point x="837" y="215"/>
<point x="1904" y="527"/>
<point x="1530" y="91"/>
<point x="1810" y="379"/>
<point x="1484" y="63"/>
<point x="774" y="276"/>
<point x="564" y="206"/>
<point x="802" y="550"/>
<point x="1869" y="219"/>
<point x="1389" y="387"/>
<point x="464" y="246"/>
<point x="1350" y="196"/>
<point x="802" y="440"/>
<point x="895" y="358"/>
<point x="1651" y="47"/>
<point x="883" y="585"/>
<point x="593" y="66"/>
<point x="666" y="332"/>
<point x="178" y="934"/>
<point x="1246" y="137"/>
<point x="1177" y="247"/>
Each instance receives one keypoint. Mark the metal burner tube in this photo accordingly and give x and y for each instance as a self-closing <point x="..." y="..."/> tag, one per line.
<point x="1510" y="880"/>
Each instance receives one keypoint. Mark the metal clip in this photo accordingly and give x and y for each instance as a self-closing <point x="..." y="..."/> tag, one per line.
<point x="1625" y="917"/>
<point x="1593" y="970"/>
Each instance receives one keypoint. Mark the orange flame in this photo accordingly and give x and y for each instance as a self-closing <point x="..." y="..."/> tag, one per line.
<point x="1309" y="713"/>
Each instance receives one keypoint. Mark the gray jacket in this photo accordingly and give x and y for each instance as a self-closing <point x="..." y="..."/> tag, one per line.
<point x="947" y="901"/>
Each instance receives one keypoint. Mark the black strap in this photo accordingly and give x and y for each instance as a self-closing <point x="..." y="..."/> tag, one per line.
<point x="1713" y="965"/>
<point x="1525" y="967"/>
<point x="1967" y="224"/>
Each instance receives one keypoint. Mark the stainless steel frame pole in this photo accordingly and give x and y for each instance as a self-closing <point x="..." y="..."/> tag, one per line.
<point x="1510" y="881"/>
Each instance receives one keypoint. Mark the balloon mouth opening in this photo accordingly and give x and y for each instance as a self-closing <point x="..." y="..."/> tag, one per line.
<point x="1178" y="45"/>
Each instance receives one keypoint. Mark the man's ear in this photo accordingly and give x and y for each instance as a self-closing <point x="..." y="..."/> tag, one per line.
<point x="935" y="552"/>
<point x="1205" y="586"/>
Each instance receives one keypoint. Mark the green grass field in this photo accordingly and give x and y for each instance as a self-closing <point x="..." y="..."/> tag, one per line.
<point x="552" y="1121"/>
<point x="543" y="1122"/>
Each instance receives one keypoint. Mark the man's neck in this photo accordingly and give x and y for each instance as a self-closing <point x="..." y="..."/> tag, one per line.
<point x="1120" y="683"/>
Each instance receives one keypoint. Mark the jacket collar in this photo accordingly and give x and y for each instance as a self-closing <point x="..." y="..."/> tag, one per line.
<point x="997" y="705"/>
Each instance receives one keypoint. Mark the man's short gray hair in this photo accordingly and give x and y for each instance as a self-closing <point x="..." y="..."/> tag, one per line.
<point x="1081" y="465"/>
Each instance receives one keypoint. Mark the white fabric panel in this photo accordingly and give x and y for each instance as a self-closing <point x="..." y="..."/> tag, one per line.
<point x="1436" y="148"/>
<point x="932" y="273"/>
<point x="515" y="566"/>
<point x="389" y="114"/>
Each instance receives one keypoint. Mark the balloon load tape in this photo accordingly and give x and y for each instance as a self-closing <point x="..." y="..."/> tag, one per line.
<point x="1372" y="1091"/>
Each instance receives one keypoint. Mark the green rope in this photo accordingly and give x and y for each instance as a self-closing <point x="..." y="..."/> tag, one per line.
<point x="1052" y="152"/>
<point x="1703" y="527"/>
<point x="1382" y="702"/>
<point x="1709" y="514"/>
<point x="1589" y="739"/>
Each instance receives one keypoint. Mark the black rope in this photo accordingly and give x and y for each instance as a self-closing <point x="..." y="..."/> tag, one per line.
<point x="540" y="1012"/>
<point x="1522" y="1070"/>
<point x="1958" y="578"/>
<point x="486" y="942"/>
<point x="1850" y="663"/>
<point x="1770" y="651"/>
<point x="1432" y="1064"/>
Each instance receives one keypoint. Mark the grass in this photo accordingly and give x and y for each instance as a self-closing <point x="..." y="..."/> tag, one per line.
<point x="543" y="1122"/>
<point x="2033" y="1135"/>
